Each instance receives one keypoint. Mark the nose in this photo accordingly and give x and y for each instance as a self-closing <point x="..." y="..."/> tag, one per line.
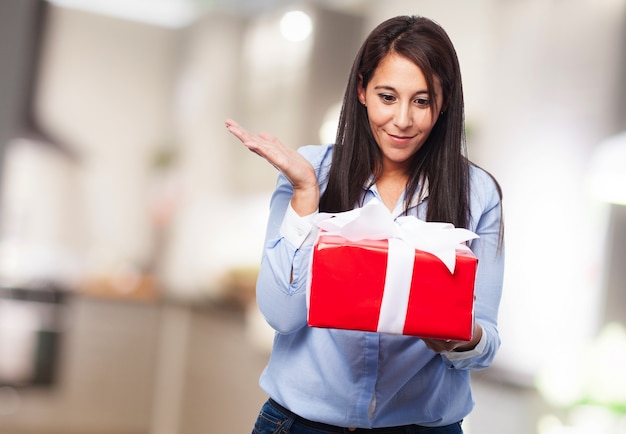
<point x="403" y="116"/>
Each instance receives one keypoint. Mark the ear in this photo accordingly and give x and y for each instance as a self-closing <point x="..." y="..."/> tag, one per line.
<point x="361" y="91"/>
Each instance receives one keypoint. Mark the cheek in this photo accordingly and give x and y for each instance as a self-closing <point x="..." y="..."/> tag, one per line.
<point x="378" y="116"/>
<point x="427" y="120"/>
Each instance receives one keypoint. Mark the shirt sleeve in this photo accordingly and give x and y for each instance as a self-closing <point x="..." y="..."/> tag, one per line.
<point x="461" y="355"/>
<point x="297" y="230"/>
<point x="283" y="276"/>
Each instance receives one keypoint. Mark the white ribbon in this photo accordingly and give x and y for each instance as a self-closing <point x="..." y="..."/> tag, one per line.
<point x="400" y="260"/>
<point x="374" y="222"/>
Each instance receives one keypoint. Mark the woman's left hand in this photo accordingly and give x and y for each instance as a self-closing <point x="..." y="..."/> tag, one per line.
<point x="440" y="346"/>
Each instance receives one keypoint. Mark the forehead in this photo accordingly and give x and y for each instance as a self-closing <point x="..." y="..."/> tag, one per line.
<point x="402" y="73"/>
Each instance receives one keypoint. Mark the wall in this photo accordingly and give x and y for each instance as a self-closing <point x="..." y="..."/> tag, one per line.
<point x="106" y="90"/>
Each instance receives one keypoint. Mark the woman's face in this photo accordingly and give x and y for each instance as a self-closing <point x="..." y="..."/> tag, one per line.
<point x="400" y="113"/>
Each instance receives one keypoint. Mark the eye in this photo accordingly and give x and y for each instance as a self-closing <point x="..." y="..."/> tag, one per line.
<point x="386" y="97"/>
<point x="424" y="102"/>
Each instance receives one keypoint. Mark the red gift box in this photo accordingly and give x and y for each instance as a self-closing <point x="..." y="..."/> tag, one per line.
<point x="347" y="284"/>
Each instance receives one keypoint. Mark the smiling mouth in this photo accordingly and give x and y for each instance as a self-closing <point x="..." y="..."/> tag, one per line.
<point x="401" y="138"/>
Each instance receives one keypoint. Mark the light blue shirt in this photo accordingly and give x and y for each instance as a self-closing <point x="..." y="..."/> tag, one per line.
<point x="366" y="379"/>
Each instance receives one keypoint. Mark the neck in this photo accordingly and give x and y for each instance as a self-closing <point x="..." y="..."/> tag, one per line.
<point x="391" y="184"/>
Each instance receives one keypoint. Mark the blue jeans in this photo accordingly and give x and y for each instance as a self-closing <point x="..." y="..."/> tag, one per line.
<point x="274" y="419"/>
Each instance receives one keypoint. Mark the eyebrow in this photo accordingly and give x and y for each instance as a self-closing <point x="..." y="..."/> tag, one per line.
<point x="386" y="87"/>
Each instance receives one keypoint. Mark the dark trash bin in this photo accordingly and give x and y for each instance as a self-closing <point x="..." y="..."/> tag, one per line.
<point x="31" y="325"/>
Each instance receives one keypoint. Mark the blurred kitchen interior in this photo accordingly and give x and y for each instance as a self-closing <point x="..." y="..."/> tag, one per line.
<point x="131" y="223"/>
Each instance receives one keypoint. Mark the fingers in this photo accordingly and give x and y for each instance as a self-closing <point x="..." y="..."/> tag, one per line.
<point x="268" y="137"/>
<point x="441" y="346"/>
<point x="264" y="145"/>
<point x="238" y="131"/>
<point x="251" y="141"/>
<point x="289" y="162"/>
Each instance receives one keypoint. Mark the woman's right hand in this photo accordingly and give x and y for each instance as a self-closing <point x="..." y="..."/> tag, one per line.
<point x="289" y="162"/>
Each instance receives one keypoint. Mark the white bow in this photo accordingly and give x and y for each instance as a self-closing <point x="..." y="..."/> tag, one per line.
<point x="374" y="222"/>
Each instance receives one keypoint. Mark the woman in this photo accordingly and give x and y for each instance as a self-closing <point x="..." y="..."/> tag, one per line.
<point x="400" y="140"/>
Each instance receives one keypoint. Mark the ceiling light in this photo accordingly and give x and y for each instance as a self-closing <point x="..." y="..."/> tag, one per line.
<point x="296" y="26"/>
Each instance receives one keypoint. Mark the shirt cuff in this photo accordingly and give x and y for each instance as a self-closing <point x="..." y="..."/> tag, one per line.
<point x="297" y="229"/>
<point x="462" y="355"/>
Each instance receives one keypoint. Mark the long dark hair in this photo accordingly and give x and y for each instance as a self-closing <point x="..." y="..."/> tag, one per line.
<point x="442" y="158"/>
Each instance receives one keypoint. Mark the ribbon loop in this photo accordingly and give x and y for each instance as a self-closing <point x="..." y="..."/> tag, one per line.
<point x="374" y="222"/>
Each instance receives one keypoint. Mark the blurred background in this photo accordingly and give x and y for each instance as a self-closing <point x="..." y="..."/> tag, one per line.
<point x="131" y="223"/>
